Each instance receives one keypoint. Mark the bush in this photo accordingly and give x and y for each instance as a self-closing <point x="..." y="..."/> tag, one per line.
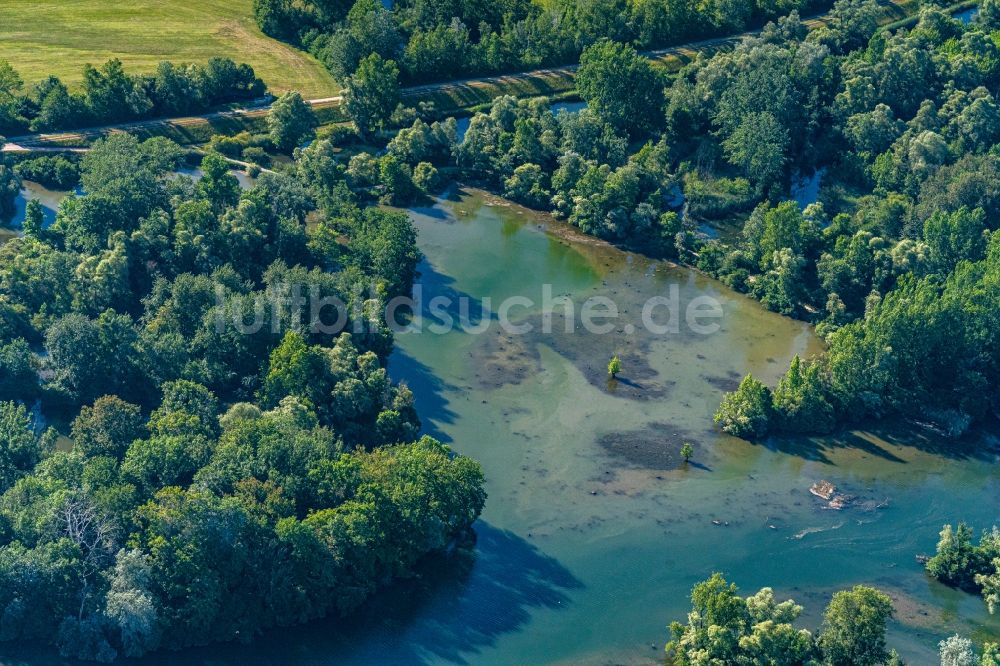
<point x="54" y="172"/>
<point x="257" y="155"/>
<point x="959" y="561"/>
<point x="747" y="412"/>
<point x="230" y="146"/>
<point x="716" y="197"/>
<point x="425" y="176"/>
<point x="338" y="135"/>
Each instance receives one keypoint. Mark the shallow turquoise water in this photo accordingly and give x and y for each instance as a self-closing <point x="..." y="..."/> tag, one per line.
<point x="629" y="535"/>
<point x="592" y="534"/>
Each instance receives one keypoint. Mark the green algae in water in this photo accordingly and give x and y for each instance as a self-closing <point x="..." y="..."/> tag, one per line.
<point x="591" y="539"/>
<point x="633" y="529"/>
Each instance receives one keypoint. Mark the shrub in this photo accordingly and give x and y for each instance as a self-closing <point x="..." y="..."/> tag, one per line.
<point x="54" y="172"/>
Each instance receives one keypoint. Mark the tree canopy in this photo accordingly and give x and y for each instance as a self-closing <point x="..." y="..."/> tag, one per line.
<point x="240" y="460"/>
<point x="110" y="95"/>
<point x="725" y="628"/>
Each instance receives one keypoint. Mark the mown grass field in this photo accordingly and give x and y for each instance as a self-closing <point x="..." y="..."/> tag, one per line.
<point x="42" y="37"/>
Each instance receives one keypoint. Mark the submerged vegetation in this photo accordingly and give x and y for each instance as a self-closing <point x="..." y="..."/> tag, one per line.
<point x="897" y="263"/>
<point x="219" y="483"/>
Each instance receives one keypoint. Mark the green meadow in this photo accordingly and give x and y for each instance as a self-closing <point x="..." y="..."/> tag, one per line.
<point x="43" y="37"/>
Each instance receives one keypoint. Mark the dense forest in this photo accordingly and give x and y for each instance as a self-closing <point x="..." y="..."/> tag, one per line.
<point x="109" y="94"/>
<point x="899" y="265"/>
<point x="433" y="40"/>
<point x="239" y="461"/>
<point x="896" y="264"/>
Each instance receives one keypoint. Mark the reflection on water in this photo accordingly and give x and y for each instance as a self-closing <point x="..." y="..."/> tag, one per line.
<point x="462" y="124"/>
<point x="568" y="107"/>
<point x="966" y="15"/>
<point x="805" y="189"/>
<point x="593" y="532"/>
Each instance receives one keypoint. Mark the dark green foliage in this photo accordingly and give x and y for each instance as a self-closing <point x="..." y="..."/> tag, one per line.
<point x="621" y="87"/>
<point x="368" y="29"/>
<point x="422" y="142"/>
<point x="384" y="244"/>
<point x="168" y="523"/>
<point x="217" y="185"/>
<point x="800" y="401"/>
<point x="526" y="185"/>
<point x="107" y="427"/>
<point x="257" y="155"/>
<point x="18" y="371"/>
<point x="57" y="173"/>
<point x="960" y="563"/>
<point x="349" y="392"/>
<point x="89" y="358"/>
<point x="10" y="187"/>
<point x="396" y="180"/>
<point x="539" y="160"/>
<point x="278" y="18"/>
<point x="110" y="95"/>
<point x="290" y="121"/>
<point x="962" y="235"/>
<point x="20" y="446"/>
<point x="333" y="527"/>
<point x="426" y="177"/>
<point x="854" y="628"/>
<point x="747" y="412"/>
<point x="11" y="85"/>
<point x="372" y="93"/>
<point x="444" y="40"/>
<point x="903" y="282"/>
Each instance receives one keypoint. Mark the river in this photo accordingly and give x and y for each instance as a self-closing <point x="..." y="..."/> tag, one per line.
<point x="583" y="477"/>
<point x="594" y="531"/>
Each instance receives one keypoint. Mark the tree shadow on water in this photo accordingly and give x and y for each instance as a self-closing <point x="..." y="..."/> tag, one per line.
<point x="428" y="390"/>
<point x="876" y="438"/>
<point x="457" y="606"/>
<point x="433" y="210"/>
<point x="494" y="594"/>
<point x="817" y="448"/>
<point x="613" y="383"/>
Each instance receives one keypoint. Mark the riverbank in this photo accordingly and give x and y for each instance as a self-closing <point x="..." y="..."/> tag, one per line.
<point x="594" y="531"/>
<point x="593" y="534"/>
